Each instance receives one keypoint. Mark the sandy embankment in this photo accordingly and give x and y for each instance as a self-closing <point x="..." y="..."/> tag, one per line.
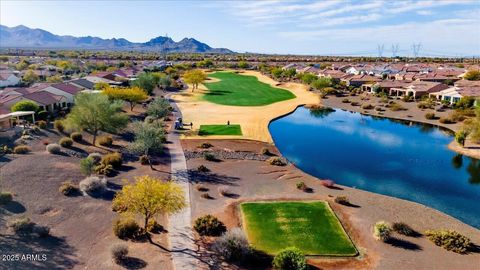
<point x="253" y="120"/>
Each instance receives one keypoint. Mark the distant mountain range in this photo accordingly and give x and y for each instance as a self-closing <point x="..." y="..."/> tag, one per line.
<point x="24" y="37"/>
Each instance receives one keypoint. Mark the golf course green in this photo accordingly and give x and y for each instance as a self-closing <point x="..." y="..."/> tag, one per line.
<point x="206" y="130"/>
<point x="242" y="90"/>
<point x="310" y="226"/>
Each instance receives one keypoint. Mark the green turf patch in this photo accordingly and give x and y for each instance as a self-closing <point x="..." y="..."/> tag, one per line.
<point x="242" y="90"/>
<point x="206" y="130"/>
<point x="310" y="226"/>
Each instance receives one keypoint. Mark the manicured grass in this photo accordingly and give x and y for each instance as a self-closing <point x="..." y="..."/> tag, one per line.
<point x="206" y="130"/>
<point x="242" y="90"/>
<point x="310" y="226"/>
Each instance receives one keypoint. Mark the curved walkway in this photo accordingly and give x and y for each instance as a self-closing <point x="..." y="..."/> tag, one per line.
<point x="182" y="242"/>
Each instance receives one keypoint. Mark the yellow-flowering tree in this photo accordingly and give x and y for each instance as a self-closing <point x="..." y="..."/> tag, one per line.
<point x="194" y="77"/>
<point x="149" y="197"/>
<point x="132" y="95"/>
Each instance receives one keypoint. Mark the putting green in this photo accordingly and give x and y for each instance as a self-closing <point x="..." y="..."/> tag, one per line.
<point x="310" y="226"/>
<point x="243" y="90"/>
<point x="206" y="130"/>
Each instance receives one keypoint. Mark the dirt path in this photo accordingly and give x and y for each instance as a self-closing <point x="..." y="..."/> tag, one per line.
<point x="182" y="241"/>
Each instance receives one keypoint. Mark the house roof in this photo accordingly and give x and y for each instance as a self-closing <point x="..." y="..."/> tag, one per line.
<point x="84" y="83"/>
<point x="65" y="87"/>
<point x="44" y="97"/>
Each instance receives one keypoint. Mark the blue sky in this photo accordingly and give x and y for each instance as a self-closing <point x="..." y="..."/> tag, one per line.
<point x="333" y="27"/>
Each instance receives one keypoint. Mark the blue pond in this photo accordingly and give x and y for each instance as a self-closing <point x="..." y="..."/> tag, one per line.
<point x="408" y="161"/>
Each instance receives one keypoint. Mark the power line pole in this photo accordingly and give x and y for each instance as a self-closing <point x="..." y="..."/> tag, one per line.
<point x="380" y="49"/>
<point x="394" y="50"/>
<point x="416" y="49"/>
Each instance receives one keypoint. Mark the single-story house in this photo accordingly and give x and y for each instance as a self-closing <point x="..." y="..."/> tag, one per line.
<point x="383" y="86"/>
<point x="417" y="89"/>
<point x="83" y="84"/>
<point x="8" y="78"/>
<point x="63" y="89"/>
<point x="359" y="80"/>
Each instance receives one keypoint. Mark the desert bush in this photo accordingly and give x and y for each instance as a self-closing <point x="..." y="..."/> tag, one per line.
<point x="276" y="161"/>
<point x="41" y="231"/>
<point x="104" y="169"/>
<point x="225" y="192"/>
<point x="342" y="200"/>
<point x="53" y="148"/>
<point x="22" y="226"/>
<point x="301" y="185"/>
<point x="346" y="100"/>
<point x="206" y="196"/>
<point x="205" y="145"/>
<point x="76" y="136"/>
<point x="105" y="140"/>
<point x="5" y="197"/>
<point x="430" y="116"/>
<point x="87" y="166"/>
<point x="114" y="159"/>
<point x="201" y="188"/>
<point x="92" y="185"/>
<point x="203" y="168"/>
<point x="403" y="228"/>
<point x="367" y="107"/>
<point x="21" y="149"/>
<point x="66" y="142"/>
<point x="396" y="107"/>
<point x="125" y="228"/>
<point x="45" y="142"/>
<point x="119" y="252"/>
<point x="449" y="240"/>
<point x="144" y="160"/>
<point x="382" y="231"/>
<point x="97" y="157"/>
<point x="58" y="125"/>
<point x="209" y="225"/>
<point x="232" y="245"/>
<point x="68" y="188"/>
<point x="446" y="120"/>
<point x="42" y="124"/>
<point x="407" y="98"/>
<point x="209" y="156"/>
<point x="265" y="151"/>
<point x="290" y="259"/>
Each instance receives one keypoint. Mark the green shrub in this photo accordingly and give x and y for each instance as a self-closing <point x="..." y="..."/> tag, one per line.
<point x="58" y="125"/>
<point x="67" y="188"/>
<point x="144" y="159"/>
<point x="76" y="136"/>
<point x="5" y="197"/>
<point x="126" y="228"/>
<point x="276" y="161"/>
<point x="382" y="231"/>
<point x="368" y="107"/>
<point x="209" y="225"/>
<point x="53" y="148"/>
<point x="153" y="226"/>
<point x="354" y="103"/>
<point x="119" y="252"/>
<point x="346" y="100"/>
<point x="93" y="185"/>
<point x="21" y="149"/>
<point x="87" y="166"/>
<point x="403" y="228"/>
<point x="66" y="142"/>
<point x="430" y="115"/>
<point x="290" y="259"/>
<point x="209" y="156"/>
<point x="396" y="107"/>
<point x="22" y="226"/>
<point x="449" y="240"/>
<point x="203" y="168"/>
<point x="233" y="245"/>
<point x="105" y="140"/>
<point x="42" y="124"/>
<point x="342" y="200"/>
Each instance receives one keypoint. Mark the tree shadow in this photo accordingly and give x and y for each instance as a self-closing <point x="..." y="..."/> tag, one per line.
<point x="400" y="243"/>
<point x="132" y="263"/>
<point x="195" y="177"/>
<point x="59" y="254"/>
<point x="14" y="207"/>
